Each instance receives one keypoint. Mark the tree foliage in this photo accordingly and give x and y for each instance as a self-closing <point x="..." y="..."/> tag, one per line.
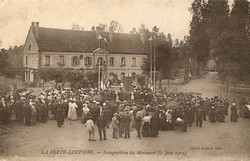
<point x="218" y="33"/>
<point x="3" y="60"/>
<point x="238" y="41"/>
<point x="161" y="52"/>
<point x="199" y="40"/>
<point x="115" y="26"/>
<point x="77" y="78"/>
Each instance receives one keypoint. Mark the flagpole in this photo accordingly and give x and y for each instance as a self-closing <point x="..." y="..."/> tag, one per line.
<point x="99" y="64"/>
<point x="151" y="62"/>
<point x="154" y="68"/>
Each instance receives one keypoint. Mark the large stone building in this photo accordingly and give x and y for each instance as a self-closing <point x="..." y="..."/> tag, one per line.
<point x="60" y="48"/>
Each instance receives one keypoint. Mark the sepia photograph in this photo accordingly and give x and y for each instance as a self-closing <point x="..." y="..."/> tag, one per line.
<point x="124" y="80"/>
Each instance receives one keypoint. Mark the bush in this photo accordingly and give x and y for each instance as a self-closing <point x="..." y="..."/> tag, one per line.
<point x="77" y="78"/>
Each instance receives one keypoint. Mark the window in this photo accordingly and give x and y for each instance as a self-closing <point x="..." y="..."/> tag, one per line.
<point x="47" y="60"/>
<point x="88" y="61"/>
<point x="123" y="61"/>
<point x="26" y="60"/>
<point x="133" y="61"/>
<point x="61" y="61"/>
<point x="75" y="61"/>
<point x="100" y="61"/>
<point x="111" y="61"/>
<point x="27" y="76"/>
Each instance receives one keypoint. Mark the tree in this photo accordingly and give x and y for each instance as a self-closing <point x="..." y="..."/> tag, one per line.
<point x="115" y="26"/>
<point x="217" y="33"/>
<point x="141" y="79"/>
<point x="77" y="78"/>
<point x="199" y="39"/>
<point x="145" y="34"/>
<point x="101" y="28"/>
<point x="93" y="28"/>
<point x="217" y="15"/>
<point x="155" y="29"/>
<point x="165" y="60"/>
<point x="57" y="75"/>
<point x="170" y="40"/>
<point x="133" y="31"/>
<point x="146" y="66"/>
<point x="4" y="64"/>
<point x="239" y="46"/>
<point x="92" y="78"/>
<point x="176" y="43"/>
<point x="77" y="27"/>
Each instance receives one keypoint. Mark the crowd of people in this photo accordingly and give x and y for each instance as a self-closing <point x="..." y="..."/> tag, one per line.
<point x="142" y="110"/>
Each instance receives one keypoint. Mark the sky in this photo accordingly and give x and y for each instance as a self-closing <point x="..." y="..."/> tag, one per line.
<point x="171" y="16"/>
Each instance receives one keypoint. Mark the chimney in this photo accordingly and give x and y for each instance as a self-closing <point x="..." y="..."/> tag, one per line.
<point x="35" y="28"/>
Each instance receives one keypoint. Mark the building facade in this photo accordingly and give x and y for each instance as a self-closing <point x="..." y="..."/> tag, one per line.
<point x="123" y="53"/>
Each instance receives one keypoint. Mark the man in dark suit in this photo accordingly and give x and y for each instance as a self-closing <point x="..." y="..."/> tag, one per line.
<point x="199" y="116"/>
<point x="101" y="122"/>
<point x="27" y="113"/>
<point x="60" y="113"/>
<point x="19" y="109"/>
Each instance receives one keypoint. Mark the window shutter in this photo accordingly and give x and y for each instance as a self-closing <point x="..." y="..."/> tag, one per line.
<point x="90" y="61"/>
<point x="86" y="61"/>
<point x="72" y="61"/>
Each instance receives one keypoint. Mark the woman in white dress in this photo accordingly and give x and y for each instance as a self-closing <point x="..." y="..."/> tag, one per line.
<point x="85" y="111"/>
<point x="72" y="115"/>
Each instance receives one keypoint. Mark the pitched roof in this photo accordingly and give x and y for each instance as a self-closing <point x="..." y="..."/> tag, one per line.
<point x="61" y="40"/>
<point x="66" y="40"/>
<point x="126" y="43"/>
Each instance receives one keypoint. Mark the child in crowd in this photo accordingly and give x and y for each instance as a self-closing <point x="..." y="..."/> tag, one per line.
<point x="91" y="128"/>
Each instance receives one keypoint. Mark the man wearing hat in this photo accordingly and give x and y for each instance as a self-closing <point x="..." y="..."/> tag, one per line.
<point x="212" y="113"/>
<point x="115" y="125"/>
<point x="199" y="115"/>
<point x="27" y="113"/>
<point x="138" y="115"/>
<point x="33" y="110"/>
<point x="127" y="120"/>
<point x="2" y="109"/>
<point x="42" y="110"/>
<point x="101" y="122"/>
<point x="234" y="112"/>
<point x="60" y="112"/>
<point x="19" y="108"/>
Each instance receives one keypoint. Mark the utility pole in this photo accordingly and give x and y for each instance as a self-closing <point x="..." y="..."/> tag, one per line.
<point x="151" y="61"/>
<point x="154" y="54"/>
<point x="99" y="75"/>
<point x="99" y="64"/>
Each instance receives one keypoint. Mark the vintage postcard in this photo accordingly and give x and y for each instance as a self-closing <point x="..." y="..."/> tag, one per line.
<point x="124" y="80"/>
